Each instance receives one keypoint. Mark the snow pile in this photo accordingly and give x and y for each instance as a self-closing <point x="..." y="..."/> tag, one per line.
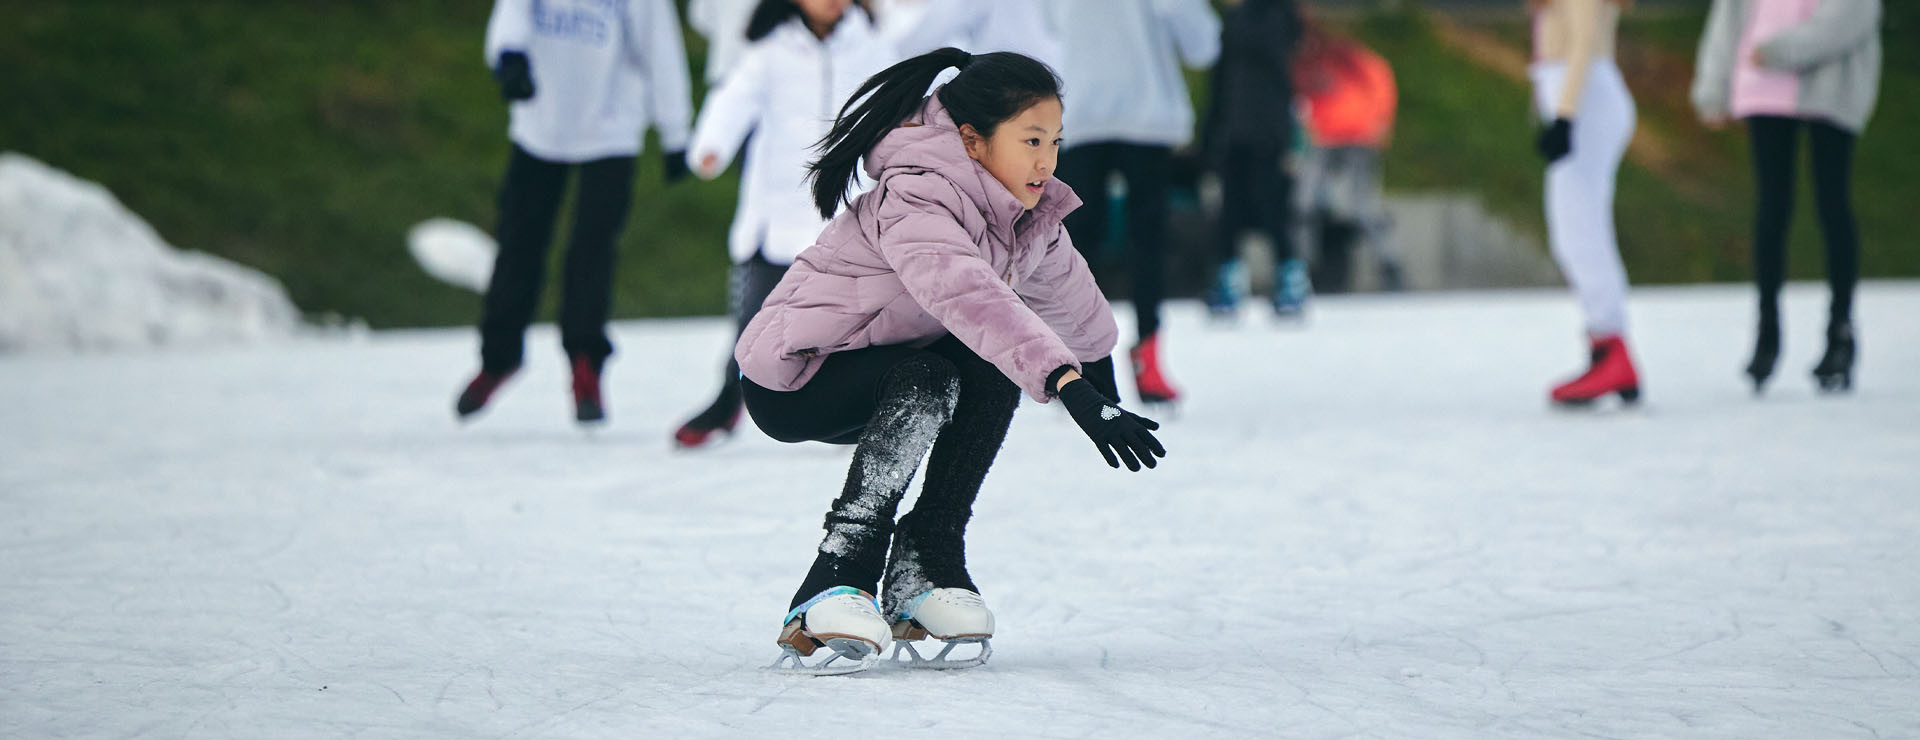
<point x="454" y="252"/>
<point x="80" y="271"/>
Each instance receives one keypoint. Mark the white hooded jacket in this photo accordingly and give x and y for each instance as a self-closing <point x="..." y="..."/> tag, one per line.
<point x="785" y="90"/>
<point x="602" y="71"/>
<point x="1121" y="73"/>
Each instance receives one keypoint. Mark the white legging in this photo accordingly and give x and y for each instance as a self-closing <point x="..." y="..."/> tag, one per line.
<point x="1580" y="191"/>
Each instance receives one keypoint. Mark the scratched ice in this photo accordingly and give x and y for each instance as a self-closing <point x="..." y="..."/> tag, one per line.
<point x="1367" y="527"/>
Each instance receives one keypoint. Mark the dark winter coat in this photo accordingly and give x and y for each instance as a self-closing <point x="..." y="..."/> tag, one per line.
<point x="1252" y="103"/>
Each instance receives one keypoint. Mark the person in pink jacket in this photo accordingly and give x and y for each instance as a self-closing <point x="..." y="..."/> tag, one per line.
<point x="909" y="329"/>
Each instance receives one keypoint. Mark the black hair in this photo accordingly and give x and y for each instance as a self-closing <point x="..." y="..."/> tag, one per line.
<point x="769" y="14"/>
<point x="990" y="88"/>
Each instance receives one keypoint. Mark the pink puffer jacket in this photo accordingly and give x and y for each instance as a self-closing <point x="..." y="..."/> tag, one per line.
<point x="937" y="247"/>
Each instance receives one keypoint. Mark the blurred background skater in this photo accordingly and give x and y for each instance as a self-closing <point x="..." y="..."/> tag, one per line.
<point x="723" y="23"/>
<point x="1785" y="66"/>
<point x="584" y="79"/>
<point x="1122" y="70"/>
<point x="804" y="58"/>
<point x="978" y="26"/>
<point x="1248" y="140"/>
<point x="1589" y="118"/>
<point x="1348" y="100"/>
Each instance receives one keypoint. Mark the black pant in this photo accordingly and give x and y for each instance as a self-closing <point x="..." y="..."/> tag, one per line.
<point x="900" y="404"/>
<point x="1145" y="168"/>
<point x="748" y="285"/>
<point x="1775" y="151"/>
<point x="529" y="204"/>
<point x="1257" y="194"/>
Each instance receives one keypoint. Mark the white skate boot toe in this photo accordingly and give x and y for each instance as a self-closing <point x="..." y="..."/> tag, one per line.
<point x="843" y="619"/>
<point x="955" y="616"/>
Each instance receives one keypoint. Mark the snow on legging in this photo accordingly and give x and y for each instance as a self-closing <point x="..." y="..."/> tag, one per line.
<point x="899" y="403"/>
<point x="1775" y="148"/>
<point x="1580" y="191"/>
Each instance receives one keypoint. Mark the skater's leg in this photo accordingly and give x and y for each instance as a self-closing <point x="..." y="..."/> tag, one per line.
<point x="1775" y="142"/>
<point x="929" y="548"/>
<point x="1146" y="169"/>
<point x="917" y="398"/>
<point x="529" y="202"/>
<point x="606" y="192"/>
<point x="1832" y="190"/>
<point x="1085" y="168"/>
<point x="749" y="283"/>
<point x="758" y="278"/>
<point x="1580" y="204"/>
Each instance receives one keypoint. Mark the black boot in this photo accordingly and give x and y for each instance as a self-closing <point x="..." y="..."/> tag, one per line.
<point x="1835" y="371"/>
<point x="720" y="416"/>
<point x="1766" y="351"/>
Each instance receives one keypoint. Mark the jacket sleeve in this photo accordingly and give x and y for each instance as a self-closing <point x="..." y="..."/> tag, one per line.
<point x="1062" y="293"/>
<point x="1836" y="28"/>
<point x="731" y="111"/>
<point x="1195" y="29"/>
<point x="1713" y="64"/>
<point x="510" y="28"/>
<point x="942" y="268"/>
<point x="654" y="45"/>
<point x="941" y="20"/>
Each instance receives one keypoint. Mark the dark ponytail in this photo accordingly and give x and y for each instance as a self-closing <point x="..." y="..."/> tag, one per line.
<point x="990" y="88"/>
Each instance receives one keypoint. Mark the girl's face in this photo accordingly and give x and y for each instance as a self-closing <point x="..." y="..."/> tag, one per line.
<point x="1023" y="150"/>
<point x="822" y="14"/>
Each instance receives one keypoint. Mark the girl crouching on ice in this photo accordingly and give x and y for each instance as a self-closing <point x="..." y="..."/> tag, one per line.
<point x="910" y="327"/>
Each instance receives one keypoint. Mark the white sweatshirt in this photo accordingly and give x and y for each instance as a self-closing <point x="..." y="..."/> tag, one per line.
<point x="724" y="24"/>
<point x="978" y="26"/>
<point x="602" y="70"/>
<point x="1122" y="73"/>
<point x="786" y="90"/>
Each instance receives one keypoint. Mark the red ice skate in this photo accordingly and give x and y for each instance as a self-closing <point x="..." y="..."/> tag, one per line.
<point x="1147" y="378"/>
<point x="706" y="427"/>
<point x="479" y="391"/>
<point x="586" y="391"/>
<point x="1611" y="372"/>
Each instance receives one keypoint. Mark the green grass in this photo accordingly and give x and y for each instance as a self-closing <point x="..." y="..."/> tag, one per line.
<point x="1465" y="127"/>
<point x="304" y="137"/>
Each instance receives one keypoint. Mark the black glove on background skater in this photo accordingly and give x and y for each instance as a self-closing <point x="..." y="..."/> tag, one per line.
<point x="1112" y="429"/>
<point x="515" y="76"/>
<point x="1556" y="140"/>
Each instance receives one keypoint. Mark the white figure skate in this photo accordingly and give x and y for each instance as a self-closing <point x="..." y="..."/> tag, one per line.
<point x="955" y="616"/>
<point x="843" y="619"/>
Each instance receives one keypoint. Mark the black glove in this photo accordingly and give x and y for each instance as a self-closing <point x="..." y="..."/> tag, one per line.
<point x="1556" y="140"/>
<point x="674" y="164"/>
<point x="515" y="76"/>
<point x="1113" y="430"/>
<point x="1100" y="374"/>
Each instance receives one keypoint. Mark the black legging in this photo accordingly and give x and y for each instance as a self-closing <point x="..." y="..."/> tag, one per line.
<point x="1775" y="151"/>
<point x="748" y="285"/>
<point x="1256" y="194"/>
<point x="529" y="205"/>
<point x="1145" y="168"/>
<point x="898" y="403"/>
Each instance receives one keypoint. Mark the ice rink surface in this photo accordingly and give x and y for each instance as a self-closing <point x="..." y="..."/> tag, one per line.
<point x="1369" y="526"/>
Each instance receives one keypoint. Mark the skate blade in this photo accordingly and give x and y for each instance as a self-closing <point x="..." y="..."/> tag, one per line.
<point x="943" y="661"/>
<point x="846" y="655"/>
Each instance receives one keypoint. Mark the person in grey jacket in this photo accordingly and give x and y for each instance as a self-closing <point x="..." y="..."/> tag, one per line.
<point x="1122" y="69"/>
<point x="1783" y="66"/>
